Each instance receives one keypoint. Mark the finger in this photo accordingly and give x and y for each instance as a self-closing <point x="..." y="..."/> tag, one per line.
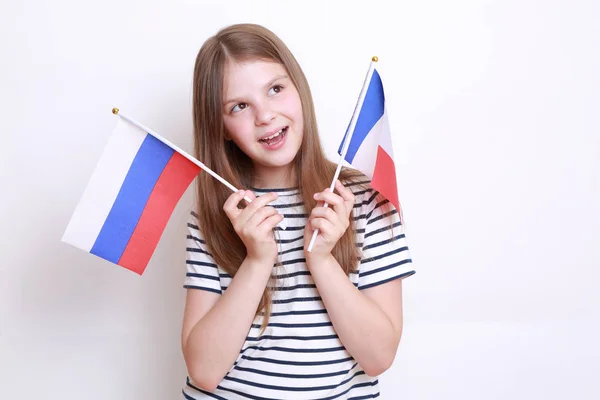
<point x="250" y="195"/>
<point x="325" y="227"/>
<point x="336" y="201"/>
<point x="260" y="215"/>
<point x="329" y="197"/>
<point x="327" y="213"/>
<point x="231" y="204"/>
<point x="269" y="223"/>
<point x="262" y="201"/>
<point x="347" y="195"/>
<point x="256" y="204"/>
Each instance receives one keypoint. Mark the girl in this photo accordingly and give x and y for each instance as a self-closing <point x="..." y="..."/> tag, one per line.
<point x="265" y="318"/>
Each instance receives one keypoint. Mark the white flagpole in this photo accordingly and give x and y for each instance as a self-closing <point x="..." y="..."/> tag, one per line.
<point x="186" y="155"/>
<point x="361" y="99"/>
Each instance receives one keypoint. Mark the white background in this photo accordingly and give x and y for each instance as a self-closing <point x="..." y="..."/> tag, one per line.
<point x="494" y="110"/>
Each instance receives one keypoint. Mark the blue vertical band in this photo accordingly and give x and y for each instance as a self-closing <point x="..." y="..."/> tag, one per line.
<point x="148" y="164"/>
<point x="371" y="111"/>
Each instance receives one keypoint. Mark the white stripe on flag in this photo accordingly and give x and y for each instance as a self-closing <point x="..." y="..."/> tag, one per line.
<point x="366" y="155"/>
<point x="104" y="185"/>
<point x="385" y="136"/>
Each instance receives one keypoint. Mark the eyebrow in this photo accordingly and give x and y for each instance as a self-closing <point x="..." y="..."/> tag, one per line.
<point x="278" y="77"/>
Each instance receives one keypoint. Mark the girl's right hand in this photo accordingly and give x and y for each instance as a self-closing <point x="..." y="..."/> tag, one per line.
<point x="254" y="224"/>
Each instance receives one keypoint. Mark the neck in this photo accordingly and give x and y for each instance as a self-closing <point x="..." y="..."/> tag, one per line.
<point x="265" y="178"/>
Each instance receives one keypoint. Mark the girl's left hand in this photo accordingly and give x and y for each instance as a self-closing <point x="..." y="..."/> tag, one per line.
<point x="332" y="221"/>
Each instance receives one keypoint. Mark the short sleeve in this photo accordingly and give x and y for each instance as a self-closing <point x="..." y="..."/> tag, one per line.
<point x="201" y="270"/>
<point x="385" y="252"/>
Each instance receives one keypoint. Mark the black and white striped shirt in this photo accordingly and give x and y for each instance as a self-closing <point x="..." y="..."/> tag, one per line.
<point x="300" y="356"/>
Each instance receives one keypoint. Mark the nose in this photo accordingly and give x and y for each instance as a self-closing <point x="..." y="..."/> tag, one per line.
<point x="264" y="114"/>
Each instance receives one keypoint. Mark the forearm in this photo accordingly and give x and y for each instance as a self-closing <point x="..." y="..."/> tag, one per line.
<point x="215" y="341"/>
<point x="363" y="328"/>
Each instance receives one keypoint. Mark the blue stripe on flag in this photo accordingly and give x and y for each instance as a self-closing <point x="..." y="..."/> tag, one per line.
<point x="146" y="168"/>
<point x="371" y="111"/>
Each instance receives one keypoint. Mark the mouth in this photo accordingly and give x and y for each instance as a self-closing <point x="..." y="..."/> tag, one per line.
<point x="275" y="138"/>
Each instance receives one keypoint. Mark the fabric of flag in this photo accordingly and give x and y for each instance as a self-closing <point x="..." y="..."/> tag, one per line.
<point x="370" y="148"/>
<point x="130" y="197"/>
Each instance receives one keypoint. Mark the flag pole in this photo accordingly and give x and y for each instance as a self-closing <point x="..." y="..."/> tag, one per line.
<point x="347" y="139"/>
<point x="116" y="111"/>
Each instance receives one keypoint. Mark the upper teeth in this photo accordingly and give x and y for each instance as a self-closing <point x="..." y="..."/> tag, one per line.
<point x="274" y="135"/>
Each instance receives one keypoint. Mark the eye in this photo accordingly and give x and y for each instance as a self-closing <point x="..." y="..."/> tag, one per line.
<point x="239" y="107"/>
<point x="275" y="89"/>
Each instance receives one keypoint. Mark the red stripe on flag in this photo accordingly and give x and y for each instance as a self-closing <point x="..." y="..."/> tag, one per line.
<point x="384" y="177"/>
<point x="172" y="183"/>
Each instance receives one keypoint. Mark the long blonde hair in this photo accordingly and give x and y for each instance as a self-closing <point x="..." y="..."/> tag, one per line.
<point x="245" y="42"/>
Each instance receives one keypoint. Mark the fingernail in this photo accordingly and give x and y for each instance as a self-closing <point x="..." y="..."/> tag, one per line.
<point x="241" y="192"/>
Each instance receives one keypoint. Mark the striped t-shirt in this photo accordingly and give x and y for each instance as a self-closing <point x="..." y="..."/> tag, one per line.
<point x="300" y="356"/>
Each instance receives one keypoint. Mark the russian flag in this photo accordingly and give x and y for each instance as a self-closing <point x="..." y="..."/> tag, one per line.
<point x="130" y="197"/>
<point x="370" y="148"/>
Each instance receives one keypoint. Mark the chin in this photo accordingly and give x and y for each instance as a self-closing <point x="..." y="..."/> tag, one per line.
<point x="280" y="164"/>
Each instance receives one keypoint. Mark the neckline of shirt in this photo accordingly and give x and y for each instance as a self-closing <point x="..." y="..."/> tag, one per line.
<point x="279" y="191"/>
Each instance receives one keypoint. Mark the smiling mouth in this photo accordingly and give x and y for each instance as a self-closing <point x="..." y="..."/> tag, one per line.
<point x="275" y="138"/>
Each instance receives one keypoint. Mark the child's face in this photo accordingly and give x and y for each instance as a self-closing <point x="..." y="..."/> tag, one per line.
<point x="262" y="113"/>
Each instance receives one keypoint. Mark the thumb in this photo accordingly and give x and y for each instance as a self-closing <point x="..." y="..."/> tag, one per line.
<point x="249" y="195"/>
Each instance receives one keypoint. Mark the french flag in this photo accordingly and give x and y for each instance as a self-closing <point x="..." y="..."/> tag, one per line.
<point x="130" y="197"/>
<point x="370" y="148"/>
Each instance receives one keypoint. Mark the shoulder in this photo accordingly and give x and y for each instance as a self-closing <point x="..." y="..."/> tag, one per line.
<point x="356" y="181"/>
<point x="193" y="228"/>
<point x="193" y="218"/>
<point x="360" y="185"/>
<point x="369" y="205"/>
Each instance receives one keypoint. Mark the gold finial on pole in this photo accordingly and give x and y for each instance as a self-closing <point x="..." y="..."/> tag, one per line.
<point x="374" y="59"/>
<point x="115" y="111"/>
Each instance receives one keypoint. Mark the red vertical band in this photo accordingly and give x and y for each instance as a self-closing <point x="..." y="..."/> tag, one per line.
<point x="172" y="183"/>
<point x="384" y="177"/>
